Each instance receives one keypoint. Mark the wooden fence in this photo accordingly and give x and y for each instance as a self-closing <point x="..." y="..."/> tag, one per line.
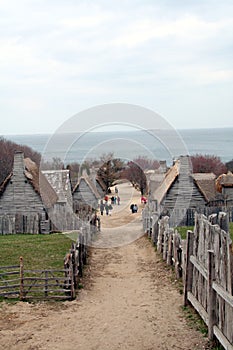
<point x="19" y="282"/>
<point x="205" y="262"/>
<point x="209" y="278"/>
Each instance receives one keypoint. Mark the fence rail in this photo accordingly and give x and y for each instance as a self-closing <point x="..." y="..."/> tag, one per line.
<point x="34" y="284"/>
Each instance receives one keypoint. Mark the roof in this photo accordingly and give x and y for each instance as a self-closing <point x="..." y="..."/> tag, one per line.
<point x="154" y="181"/>
<point x="224" y="180"/>
<point x="101" y="183"/>
<point x="60" y="182"/>
<point x="38" y="182"/>
<point x="168" y="180"/>
<point x="205" y="182"/>
<point x="90" y="184"/>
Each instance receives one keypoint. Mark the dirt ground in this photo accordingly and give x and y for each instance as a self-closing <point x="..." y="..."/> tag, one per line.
<point x="128" y="301"/>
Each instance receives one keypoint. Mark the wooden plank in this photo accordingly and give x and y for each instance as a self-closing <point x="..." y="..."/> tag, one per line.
<point x="223" y="294"/>
<point x="42" y="271"/>
<point x="46" y="279"/>
<point x="9" y="273"/>
<point x="42" y="291"/>
<point x="199" y="267"/>
<point x="198" y="307"/>
<point x="10" y="293"/>
<point x="10" y="267"/>
<point x="211" y="307"/>
<point x="188" y="271"/>
<point x="222" y="339"/>
<point x="9" y="281"/>
<point x="10" y="286"/>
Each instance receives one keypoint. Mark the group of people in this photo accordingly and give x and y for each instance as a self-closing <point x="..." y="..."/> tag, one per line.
<point x="107" y="207"/>
<point x="134" y="208"/>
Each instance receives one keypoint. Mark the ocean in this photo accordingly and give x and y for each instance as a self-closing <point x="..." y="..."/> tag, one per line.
<point x="128" y="145"/>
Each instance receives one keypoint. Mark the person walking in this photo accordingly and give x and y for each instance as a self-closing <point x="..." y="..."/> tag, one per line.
<point x="101" y="208"/>
<point x="107" y="208"/>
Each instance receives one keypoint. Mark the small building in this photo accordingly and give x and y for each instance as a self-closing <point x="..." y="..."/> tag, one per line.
<point x="62" y="215"/>
<point x="224" y="184"/>
<point x="85" y="195"/>
<point x="179" y="193"/>
<point x="26" y="198"/>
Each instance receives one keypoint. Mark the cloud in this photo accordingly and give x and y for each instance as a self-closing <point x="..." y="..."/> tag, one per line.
<point x="94" y="52"/>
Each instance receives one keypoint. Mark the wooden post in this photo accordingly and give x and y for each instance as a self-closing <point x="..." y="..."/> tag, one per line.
<point x="21" y="278"/>
<point x="170" y="248"/>
<point x="211" y="295"/>
<point x="46" y="284"/>
<point x="188" y="267"/>
<point x="72" y="288"/>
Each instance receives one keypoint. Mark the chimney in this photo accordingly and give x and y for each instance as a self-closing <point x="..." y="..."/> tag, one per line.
<point x="18" y="167"/>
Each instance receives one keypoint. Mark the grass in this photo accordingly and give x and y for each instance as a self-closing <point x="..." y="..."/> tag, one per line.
<point x="183" y="230"/>
<point x="231" y="230"/>
<point x="196" y="322"/>
<point x="38" y="251"/>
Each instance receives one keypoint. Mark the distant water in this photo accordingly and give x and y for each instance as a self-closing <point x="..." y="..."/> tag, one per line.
<point x="160" y="145"/>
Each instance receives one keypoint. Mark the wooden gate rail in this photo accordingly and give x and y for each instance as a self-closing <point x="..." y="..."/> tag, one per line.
<point x="36" y="284"/>
<point x="9" y="286"/>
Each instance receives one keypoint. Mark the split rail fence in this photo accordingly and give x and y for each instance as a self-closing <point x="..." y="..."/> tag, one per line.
<point x="205" y="262"/>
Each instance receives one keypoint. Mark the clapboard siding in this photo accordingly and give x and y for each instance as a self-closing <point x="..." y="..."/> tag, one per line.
<point x="19" y="195"/>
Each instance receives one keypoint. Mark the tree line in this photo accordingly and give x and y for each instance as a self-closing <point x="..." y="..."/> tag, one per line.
<point x="108" y="168"/>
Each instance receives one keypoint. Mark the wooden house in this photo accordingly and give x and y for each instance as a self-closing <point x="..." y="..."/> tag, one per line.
<point x="26" y="198"/>
<point x="224" y="184"/>
<point x="85" y="195"/>
<point x="179" y="193"/>
<point x="62" y="215"/>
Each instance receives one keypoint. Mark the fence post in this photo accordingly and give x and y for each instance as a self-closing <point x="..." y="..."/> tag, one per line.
<point x="211" y="295"/>
<point x="71" y="273"/>
<point x="188" y="277"/>
<point x="46" y="284"/>
<point x="21" y="279"/>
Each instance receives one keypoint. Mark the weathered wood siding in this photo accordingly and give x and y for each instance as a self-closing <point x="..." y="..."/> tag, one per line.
<point x="19" y="195"/>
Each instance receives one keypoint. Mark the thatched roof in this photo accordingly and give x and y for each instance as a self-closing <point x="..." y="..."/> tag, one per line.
<point x="38" y="181"/>
<point x="101" y="184"/>
<point x="90" y="184"/>
<point x="165" y="185"/>
<point x="205" y="182"/>
<point x="224" y="180"/>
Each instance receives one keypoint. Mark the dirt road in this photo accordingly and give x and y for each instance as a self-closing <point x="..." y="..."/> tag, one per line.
<point x="128" y="301"/>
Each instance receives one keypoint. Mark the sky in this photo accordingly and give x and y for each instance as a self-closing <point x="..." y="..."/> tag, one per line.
<point x="61" y="57"/>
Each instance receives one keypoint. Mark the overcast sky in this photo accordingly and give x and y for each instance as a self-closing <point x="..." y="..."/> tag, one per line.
<point x="60" y="57"/>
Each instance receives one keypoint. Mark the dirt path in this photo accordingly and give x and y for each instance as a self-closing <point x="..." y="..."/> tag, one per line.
<point x="128" y="302"/>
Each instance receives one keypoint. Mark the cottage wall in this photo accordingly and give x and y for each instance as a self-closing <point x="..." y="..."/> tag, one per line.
<point x="228" y="193"/>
